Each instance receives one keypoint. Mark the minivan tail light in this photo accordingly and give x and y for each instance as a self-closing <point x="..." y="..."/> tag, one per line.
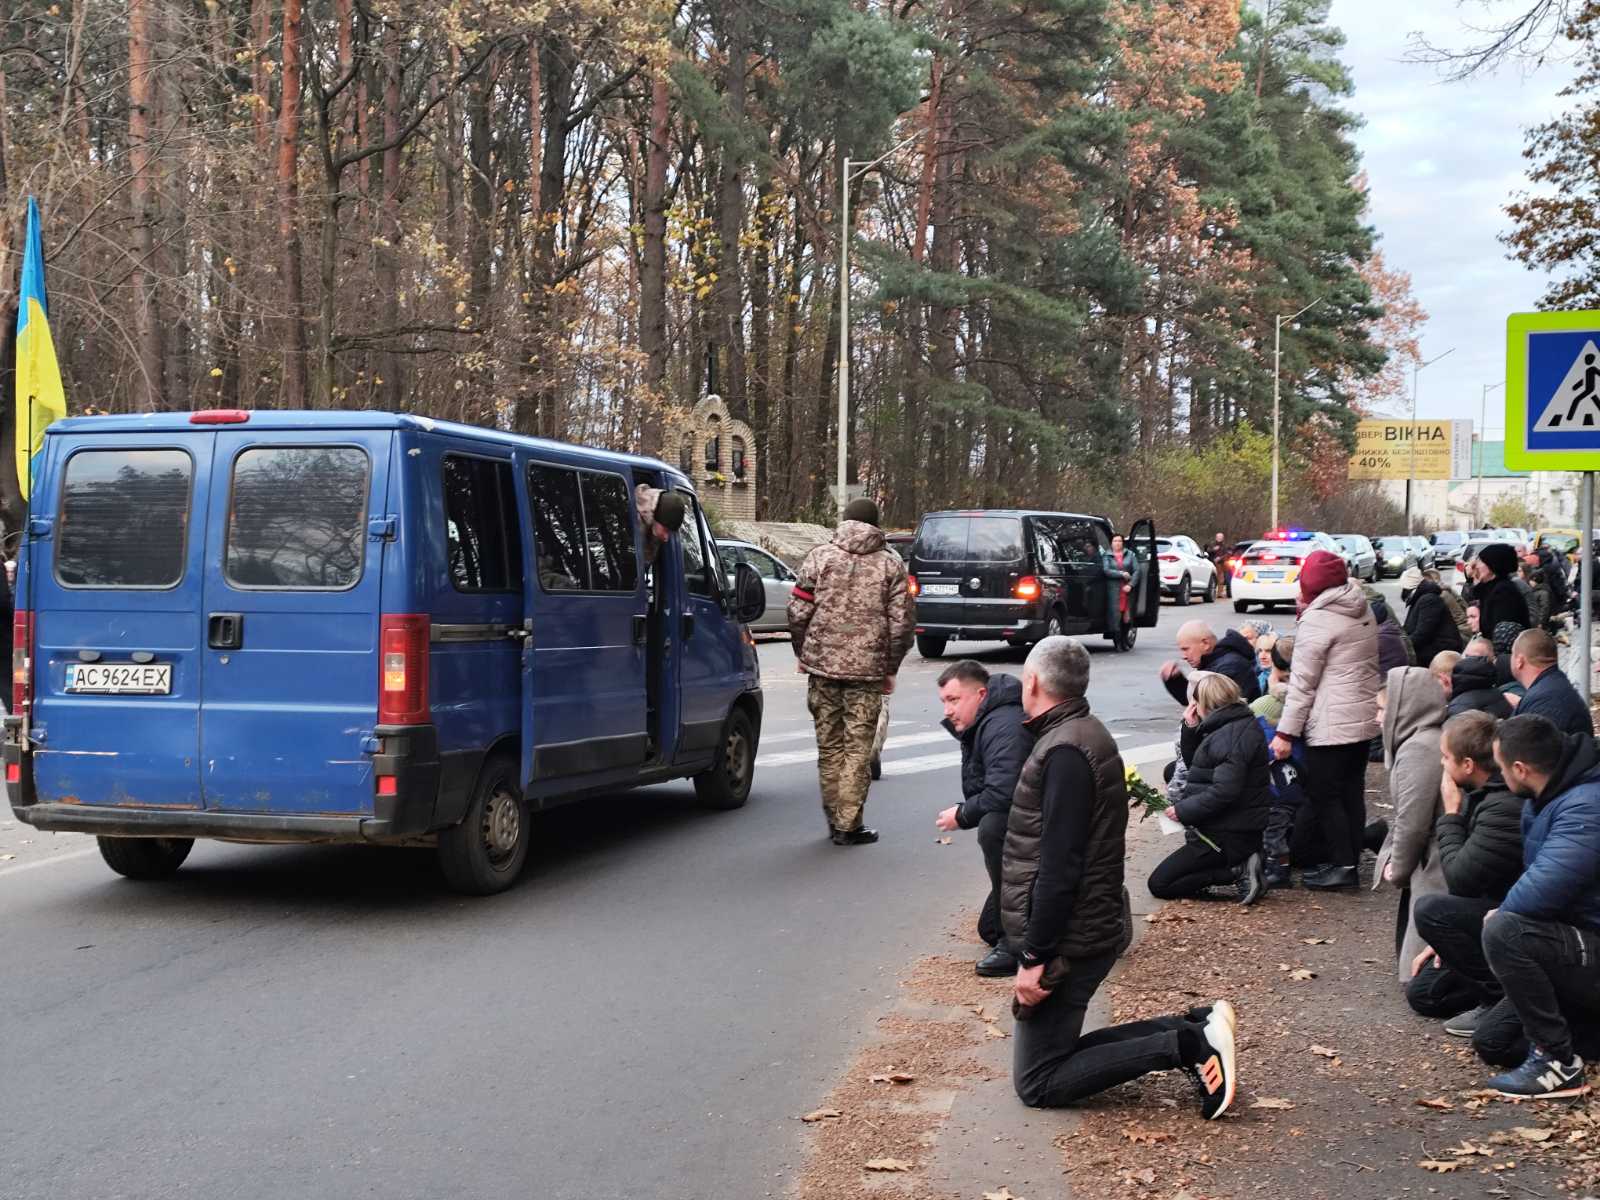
<point x="21" y="660"/>
<point x="1027" y="588"/>
<point x="219" y="416"/>
<point x="913" y="586"/>
<point x="403" y="669"/>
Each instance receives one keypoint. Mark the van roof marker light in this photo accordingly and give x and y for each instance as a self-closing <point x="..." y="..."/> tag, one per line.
<point x="219" y="416"/>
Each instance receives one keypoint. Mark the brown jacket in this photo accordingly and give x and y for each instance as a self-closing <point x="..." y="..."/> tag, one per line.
<point x="851" y="617"/>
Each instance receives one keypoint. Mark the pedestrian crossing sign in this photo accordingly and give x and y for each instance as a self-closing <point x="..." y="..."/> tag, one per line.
<point x="1553" y="391"/>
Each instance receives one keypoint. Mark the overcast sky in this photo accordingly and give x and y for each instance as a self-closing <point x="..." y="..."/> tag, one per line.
<point x="1443" y="160"/>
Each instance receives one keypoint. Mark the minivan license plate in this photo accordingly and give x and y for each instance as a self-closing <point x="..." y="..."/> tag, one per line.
<point x="120" y="679"/>
<point x="941" y="589"/>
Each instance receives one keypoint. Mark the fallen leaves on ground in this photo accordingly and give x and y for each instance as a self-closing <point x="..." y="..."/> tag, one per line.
<point x="1438" y="1102"/>
<point x="1003" y="1194"/>
<point x="1438" y="1165"/>
<point x="821" y="1114"/>
<point x="1147" y="1137"/>
<point x="1318" y="941"/>
<point x="943" y="841"/>
<point x="1323" y="1051"/>
<point x="1273" y="1102"/>
<point x="1529" y="1134"/>
<point x="995" y="1031"/>
<point x="892" y="1077"/>
<point x="889" y="1164"/>
<point x="1302" y="975"/>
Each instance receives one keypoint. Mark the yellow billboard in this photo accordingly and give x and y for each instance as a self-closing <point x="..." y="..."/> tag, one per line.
<point x="1412" y="450"/>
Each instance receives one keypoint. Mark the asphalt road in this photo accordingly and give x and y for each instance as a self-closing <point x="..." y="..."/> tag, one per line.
<point x="645" y="1014"/>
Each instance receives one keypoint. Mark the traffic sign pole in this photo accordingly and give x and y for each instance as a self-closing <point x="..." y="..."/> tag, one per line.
<point x="1586" y="591"/>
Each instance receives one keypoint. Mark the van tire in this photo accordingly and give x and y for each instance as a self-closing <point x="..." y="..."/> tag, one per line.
<point x="486" y="852"/>
<point x="929" y="646"/>
<point x="145" y="857"/>
<point x="727" y="784"/>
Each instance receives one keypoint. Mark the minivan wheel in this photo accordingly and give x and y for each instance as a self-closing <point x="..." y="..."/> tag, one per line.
<point x="1053" y="626"/>
<point x="727" y="784"/>
<point x="1184" y="595"/>
<point x="486" y="852"/>
<point x="145" y="857"/>
<point x="929" y="646"/>
<point x="1127" y="638"/>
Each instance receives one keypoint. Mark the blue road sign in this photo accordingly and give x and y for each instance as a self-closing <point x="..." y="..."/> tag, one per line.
<point x="1553" y="391"/>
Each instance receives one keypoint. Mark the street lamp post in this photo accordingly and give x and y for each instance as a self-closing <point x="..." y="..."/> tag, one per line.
<point x="846" y="177"/>
<point x="1277" y="359"/>
<point x="1411" y="481"/>
<point x="1483" y="432"/>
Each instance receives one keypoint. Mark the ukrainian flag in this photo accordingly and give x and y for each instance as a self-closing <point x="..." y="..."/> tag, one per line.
<point x="40" y="396"/>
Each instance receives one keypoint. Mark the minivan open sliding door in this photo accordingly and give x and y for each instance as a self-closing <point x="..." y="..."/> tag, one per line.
<point x="1141" y="540"/>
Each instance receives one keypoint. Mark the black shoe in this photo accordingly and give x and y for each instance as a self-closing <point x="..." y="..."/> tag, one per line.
<point x="1251" y="880"/>
<point x="1330" y="879"/>
<point x="1373" y="835"/>
<point x="854" y="837"/>
<point x="1278" y="875"/>
<point x="997" y="964"/>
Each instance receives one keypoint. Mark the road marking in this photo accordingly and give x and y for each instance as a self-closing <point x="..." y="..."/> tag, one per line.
<point x="791" y="758"/>
<point x="928" y="762"/>
<point x="1154" y="752"/>
<point x="48" y="862"/>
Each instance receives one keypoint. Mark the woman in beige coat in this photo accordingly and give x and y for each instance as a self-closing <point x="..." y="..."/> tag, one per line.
<point x="1332" y="708"/>
<point x="1413" y="715"/>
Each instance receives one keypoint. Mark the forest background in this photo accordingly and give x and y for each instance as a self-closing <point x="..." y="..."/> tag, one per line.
<point x="574" y="218"/>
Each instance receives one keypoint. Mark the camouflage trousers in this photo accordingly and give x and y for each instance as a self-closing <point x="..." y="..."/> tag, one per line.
<point x="846" y="716"/>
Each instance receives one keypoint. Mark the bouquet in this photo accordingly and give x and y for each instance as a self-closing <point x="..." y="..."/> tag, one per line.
<point x="1142" y="795"/>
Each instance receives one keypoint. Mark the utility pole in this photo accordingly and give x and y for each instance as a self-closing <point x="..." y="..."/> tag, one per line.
<point x="1411" y="482"/>
<point x="1277" y="362"/>
<point x="1483" y="436"/>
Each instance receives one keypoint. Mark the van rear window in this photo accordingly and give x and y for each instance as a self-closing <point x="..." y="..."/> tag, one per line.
<point x="124" y="519"/>
<point x="297" y="518"/>
<point x="970" y="539"/>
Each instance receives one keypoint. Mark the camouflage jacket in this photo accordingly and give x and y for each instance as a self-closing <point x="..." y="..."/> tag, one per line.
<point x="851" y="616"/>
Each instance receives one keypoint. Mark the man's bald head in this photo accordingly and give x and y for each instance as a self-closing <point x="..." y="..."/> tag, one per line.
<point x="1196" y="639"/>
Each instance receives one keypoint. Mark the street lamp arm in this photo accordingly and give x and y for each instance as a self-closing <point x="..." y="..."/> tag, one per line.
<point x="861" y="170"/>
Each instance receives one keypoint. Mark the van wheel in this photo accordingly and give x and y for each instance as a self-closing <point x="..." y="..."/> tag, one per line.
<point x="727" y="784"/>
<point x="485" y="853"/>
<point x="929" y="646"/>
<point x="1184" y="593"/>
<point x="1054" y="626"/>
<point x="145" y="858"/>
<point x="1126" y="639"/>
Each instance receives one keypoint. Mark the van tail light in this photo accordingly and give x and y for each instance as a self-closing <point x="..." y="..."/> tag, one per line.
<point x="219" y="416"/>
<point x="1027" y="588"/>
<point x="913" y="586"/>
<point x="403" y="683"/>
<point x="21" y="661"/>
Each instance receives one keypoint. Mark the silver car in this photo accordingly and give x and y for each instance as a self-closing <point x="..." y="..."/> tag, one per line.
<point x="777" y="577"/>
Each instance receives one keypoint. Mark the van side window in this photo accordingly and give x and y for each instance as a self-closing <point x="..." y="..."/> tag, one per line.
<point x="297" y="518"/>
<point x="698" y="574"/>
<point x="124" y="519"/>
<point x="1078" y="542"/>
<point x="613" y="559"/>
<point x="558" y="528"/>
<point x="481" y="526"/>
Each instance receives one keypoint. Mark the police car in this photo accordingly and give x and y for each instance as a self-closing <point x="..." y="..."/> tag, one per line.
<point x="1268" y="573"/>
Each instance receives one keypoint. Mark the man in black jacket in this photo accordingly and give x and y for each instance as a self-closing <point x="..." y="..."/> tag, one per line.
<point x="1473" y="689"/>
<point x="1060" y="900"/>
<point x="1550" y="693"/>
<point x="984" y="713"/>
<point x="1479" y="835"/>
<point x="1231" y="656"/>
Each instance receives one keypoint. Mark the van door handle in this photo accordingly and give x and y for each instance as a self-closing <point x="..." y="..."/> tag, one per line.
<point x="688" y="626"/>
<point x="225" y="631"/>
<point x="641" y="629"/>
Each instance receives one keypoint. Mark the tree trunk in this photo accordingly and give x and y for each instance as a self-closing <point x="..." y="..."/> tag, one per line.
<point x="147" y="389"/>
<point x="480" y="199"/>
<point x="761" y="339"/>
<point x="653" y="269"/>
<point x="389" y="229"/>
<point x="293" y="299"/>
<point x="729" y="326"/>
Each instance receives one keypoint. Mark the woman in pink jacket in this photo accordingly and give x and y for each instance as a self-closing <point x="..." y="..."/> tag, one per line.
<point x="1332" y="708"/>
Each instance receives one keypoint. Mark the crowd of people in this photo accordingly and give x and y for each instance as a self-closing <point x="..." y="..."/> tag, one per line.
<point x="1493" y="779"/>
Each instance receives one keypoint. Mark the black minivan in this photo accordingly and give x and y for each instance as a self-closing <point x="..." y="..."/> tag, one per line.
<point x="1013" y="575"/>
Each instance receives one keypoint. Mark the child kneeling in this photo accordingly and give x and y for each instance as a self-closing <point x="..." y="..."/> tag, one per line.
<point x="1224" y="804"/>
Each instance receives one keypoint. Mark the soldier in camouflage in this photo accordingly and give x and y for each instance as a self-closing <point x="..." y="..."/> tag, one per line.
<point x="851" y="619"/>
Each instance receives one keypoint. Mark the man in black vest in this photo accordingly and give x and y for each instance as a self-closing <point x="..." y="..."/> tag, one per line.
<point x="1061" y="905"/>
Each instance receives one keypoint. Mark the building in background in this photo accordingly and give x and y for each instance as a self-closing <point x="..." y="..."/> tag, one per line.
<point x="1552" y="496"/>
<point x="718" y="453"/>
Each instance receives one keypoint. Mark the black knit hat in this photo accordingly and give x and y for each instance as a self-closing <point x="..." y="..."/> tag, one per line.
<point x="1499" y="558"/>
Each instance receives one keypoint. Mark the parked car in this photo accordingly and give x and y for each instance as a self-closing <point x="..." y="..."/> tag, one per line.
<point x="1185" y="571"/>
<point x="1468" y="553"/>
<point x="360" y="627"/>
<point x="1236" y="553"/>
<point x="1424" y="549"/>
<point x="1016" y="576"/>
<point x="1563" y="541"/>
<point x="1447" y="544"/>
<point x="1396" y="556"/>
<point x="1363" y="559"/>
<point x="1269" y="574"/>
<point x="777" y="580"/>
<point x="1513" y="537"/>
<point x="901" y="544"/>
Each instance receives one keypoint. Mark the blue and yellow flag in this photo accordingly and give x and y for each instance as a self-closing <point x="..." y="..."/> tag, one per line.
<point x="40" y="396"/>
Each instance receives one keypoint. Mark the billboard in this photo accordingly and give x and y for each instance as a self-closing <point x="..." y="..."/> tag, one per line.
<point x="1388" y="449"/>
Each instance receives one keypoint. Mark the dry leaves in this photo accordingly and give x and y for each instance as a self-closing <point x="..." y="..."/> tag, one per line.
<point x="1528" y="1134"/>
<point x="944" y="841"/>
<point x="1314" y="941"/>
<point x="1438" y="1103"/>
<point x="1147" y="1137"/>
<point x="889" y="1164"/>
<point x="1323" y="1051"/>
<point x="1302" y="975"/>
<point x="1003" y="1194"/>
<point x="1469" y="1149"/>
<point x="995" y="1031"/>
<point x="821" y="1114"/>
<point x="1274" y="1102"/>
<point x="1443" y="1168"/>
<point x="892" y="1077"/>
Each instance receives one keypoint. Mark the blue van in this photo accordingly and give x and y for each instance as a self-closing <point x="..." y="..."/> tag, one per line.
<point x="360" y="627"/>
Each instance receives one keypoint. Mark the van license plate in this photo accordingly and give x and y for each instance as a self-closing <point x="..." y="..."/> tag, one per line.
<point x="120" y="679"/>
<point x="941" y="589"/>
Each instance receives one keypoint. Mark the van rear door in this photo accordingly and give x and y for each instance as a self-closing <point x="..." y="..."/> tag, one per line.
<point x="298" y="525"/>
<point x="115" y="591"/>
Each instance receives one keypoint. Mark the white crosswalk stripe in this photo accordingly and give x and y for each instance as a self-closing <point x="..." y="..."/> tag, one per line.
<point x="926" y="762"/>
<point x="915" y="765"/>
<point x="789" y="758"/>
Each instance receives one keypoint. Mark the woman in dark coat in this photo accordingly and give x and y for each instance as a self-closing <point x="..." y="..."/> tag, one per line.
<point x="1226" y="797"/>
<point x="1122" y="571"/>
<point x="1429" y="624"/>
<point x="1496" y="595"/>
